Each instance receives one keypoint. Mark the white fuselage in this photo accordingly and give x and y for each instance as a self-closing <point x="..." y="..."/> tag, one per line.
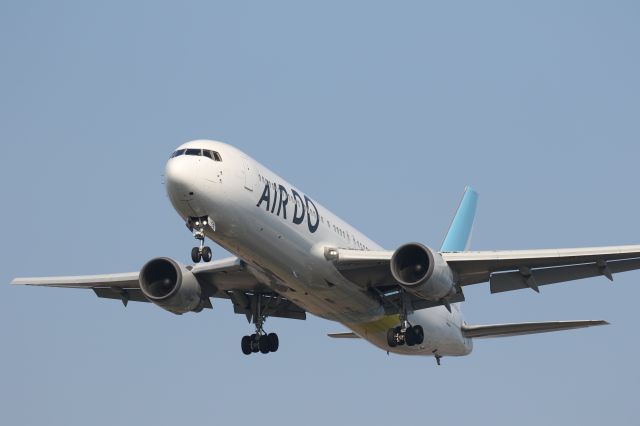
<point x="281" y="234"/>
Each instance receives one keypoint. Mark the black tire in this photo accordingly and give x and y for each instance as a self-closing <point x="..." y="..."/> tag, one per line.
<point x="254" y="343"/>
<point x="263" y="344"/>
<point x="418" y="332"/>
<point x="207" y="255"/>
<point x="195" y="255"/>
<point x="410" y="337"/>
<point x="274" y="342"/>
<point x="245" y="343"/>
<point x="391" y="338"/>
<point x="398" y="331"/>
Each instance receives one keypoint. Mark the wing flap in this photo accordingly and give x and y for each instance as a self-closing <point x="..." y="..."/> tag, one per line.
<point x="519" y="329"/>
<point x="274" y="306"/>
<point x="126" y="295"/>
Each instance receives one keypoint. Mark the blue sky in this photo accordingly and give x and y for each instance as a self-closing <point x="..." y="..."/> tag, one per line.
<point x="381" y="111"/>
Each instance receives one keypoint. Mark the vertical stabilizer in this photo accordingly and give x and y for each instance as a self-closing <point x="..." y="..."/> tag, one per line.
<point x="459" y="236"/>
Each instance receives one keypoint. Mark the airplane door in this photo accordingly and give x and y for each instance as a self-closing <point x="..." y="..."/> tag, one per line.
<point x="249" y="174"/>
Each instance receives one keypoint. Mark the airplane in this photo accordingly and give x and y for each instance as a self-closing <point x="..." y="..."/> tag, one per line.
<point x="292" y="256"/>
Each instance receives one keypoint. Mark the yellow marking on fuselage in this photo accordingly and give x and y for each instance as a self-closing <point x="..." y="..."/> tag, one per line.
<point x="378" y="326"/>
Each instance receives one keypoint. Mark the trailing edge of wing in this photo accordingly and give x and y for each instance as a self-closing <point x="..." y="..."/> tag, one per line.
<point x="518" y="329"/>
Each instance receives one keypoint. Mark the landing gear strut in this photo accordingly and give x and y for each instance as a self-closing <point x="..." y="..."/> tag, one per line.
<point x="197" y="226"/>
<point x="405" y="333"/>
<point x="260" y="341"/>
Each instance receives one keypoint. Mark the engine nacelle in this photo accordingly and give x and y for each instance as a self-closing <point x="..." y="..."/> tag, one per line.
<point x="171" y="286"/>
<point x="422" y="272"/>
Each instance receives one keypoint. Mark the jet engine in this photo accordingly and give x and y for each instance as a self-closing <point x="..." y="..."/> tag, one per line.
<point x="171" y="286"/>
<point x="422" y="272"/>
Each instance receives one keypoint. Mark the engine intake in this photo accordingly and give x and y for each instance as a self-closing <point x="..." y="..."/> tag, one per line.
<point x="171" y="286"/>
<point x="422" y="272"/>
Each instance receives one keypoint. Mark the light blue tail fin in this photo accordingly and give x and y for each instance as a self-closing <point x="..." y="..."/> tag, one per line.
<point x="459" y="235"/>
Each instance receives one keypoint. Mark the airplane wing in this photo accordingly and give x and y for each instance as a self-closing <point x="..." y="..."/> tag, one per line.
<point x="225" y="279"/>
<point x="504" y="270"/>
<point x="513" y="270"/>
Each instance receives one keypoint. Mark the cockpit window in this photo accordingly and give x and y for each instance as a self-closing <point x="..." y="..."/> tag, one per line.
<point x="198" y="152"/>
<point x="211" y="154"/>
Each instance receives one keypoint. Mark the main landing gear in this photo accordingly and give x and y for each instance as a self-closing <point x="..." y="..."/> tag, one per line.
<point x="405" y="333"/>
<point x="260" y="341"/>
<point x="197" y="226"/>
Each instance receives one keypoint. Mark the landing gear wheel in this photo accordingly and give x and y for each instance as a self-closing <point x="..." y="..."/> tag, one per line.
<point x="255" y="348"/>
<point x="245" y="343"/>
<point x="195" y="255"/>
<point x="263" y="344"/>
<point x="418" y="332"/>
<point x="410" y="337"/>
<point x="391" y="338"/>
<point x="400" y="337"/>
<point x="274" y="342"/>
<point x="206" y="254"/>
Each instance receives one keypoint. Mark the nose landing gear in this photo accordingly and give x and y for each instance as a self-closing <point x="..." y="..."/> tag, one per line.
<point x="197" y="226"/>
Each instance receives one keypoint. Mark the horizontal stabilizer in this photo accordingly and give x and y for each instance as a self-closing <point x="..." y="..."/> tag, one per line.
<point x="348" y="335"/>
<point x="518" y="329"/>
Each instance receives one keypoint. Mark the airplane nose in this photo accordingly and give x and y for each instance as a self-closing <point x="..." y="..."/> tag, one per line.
<point x="180" y="179"/>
